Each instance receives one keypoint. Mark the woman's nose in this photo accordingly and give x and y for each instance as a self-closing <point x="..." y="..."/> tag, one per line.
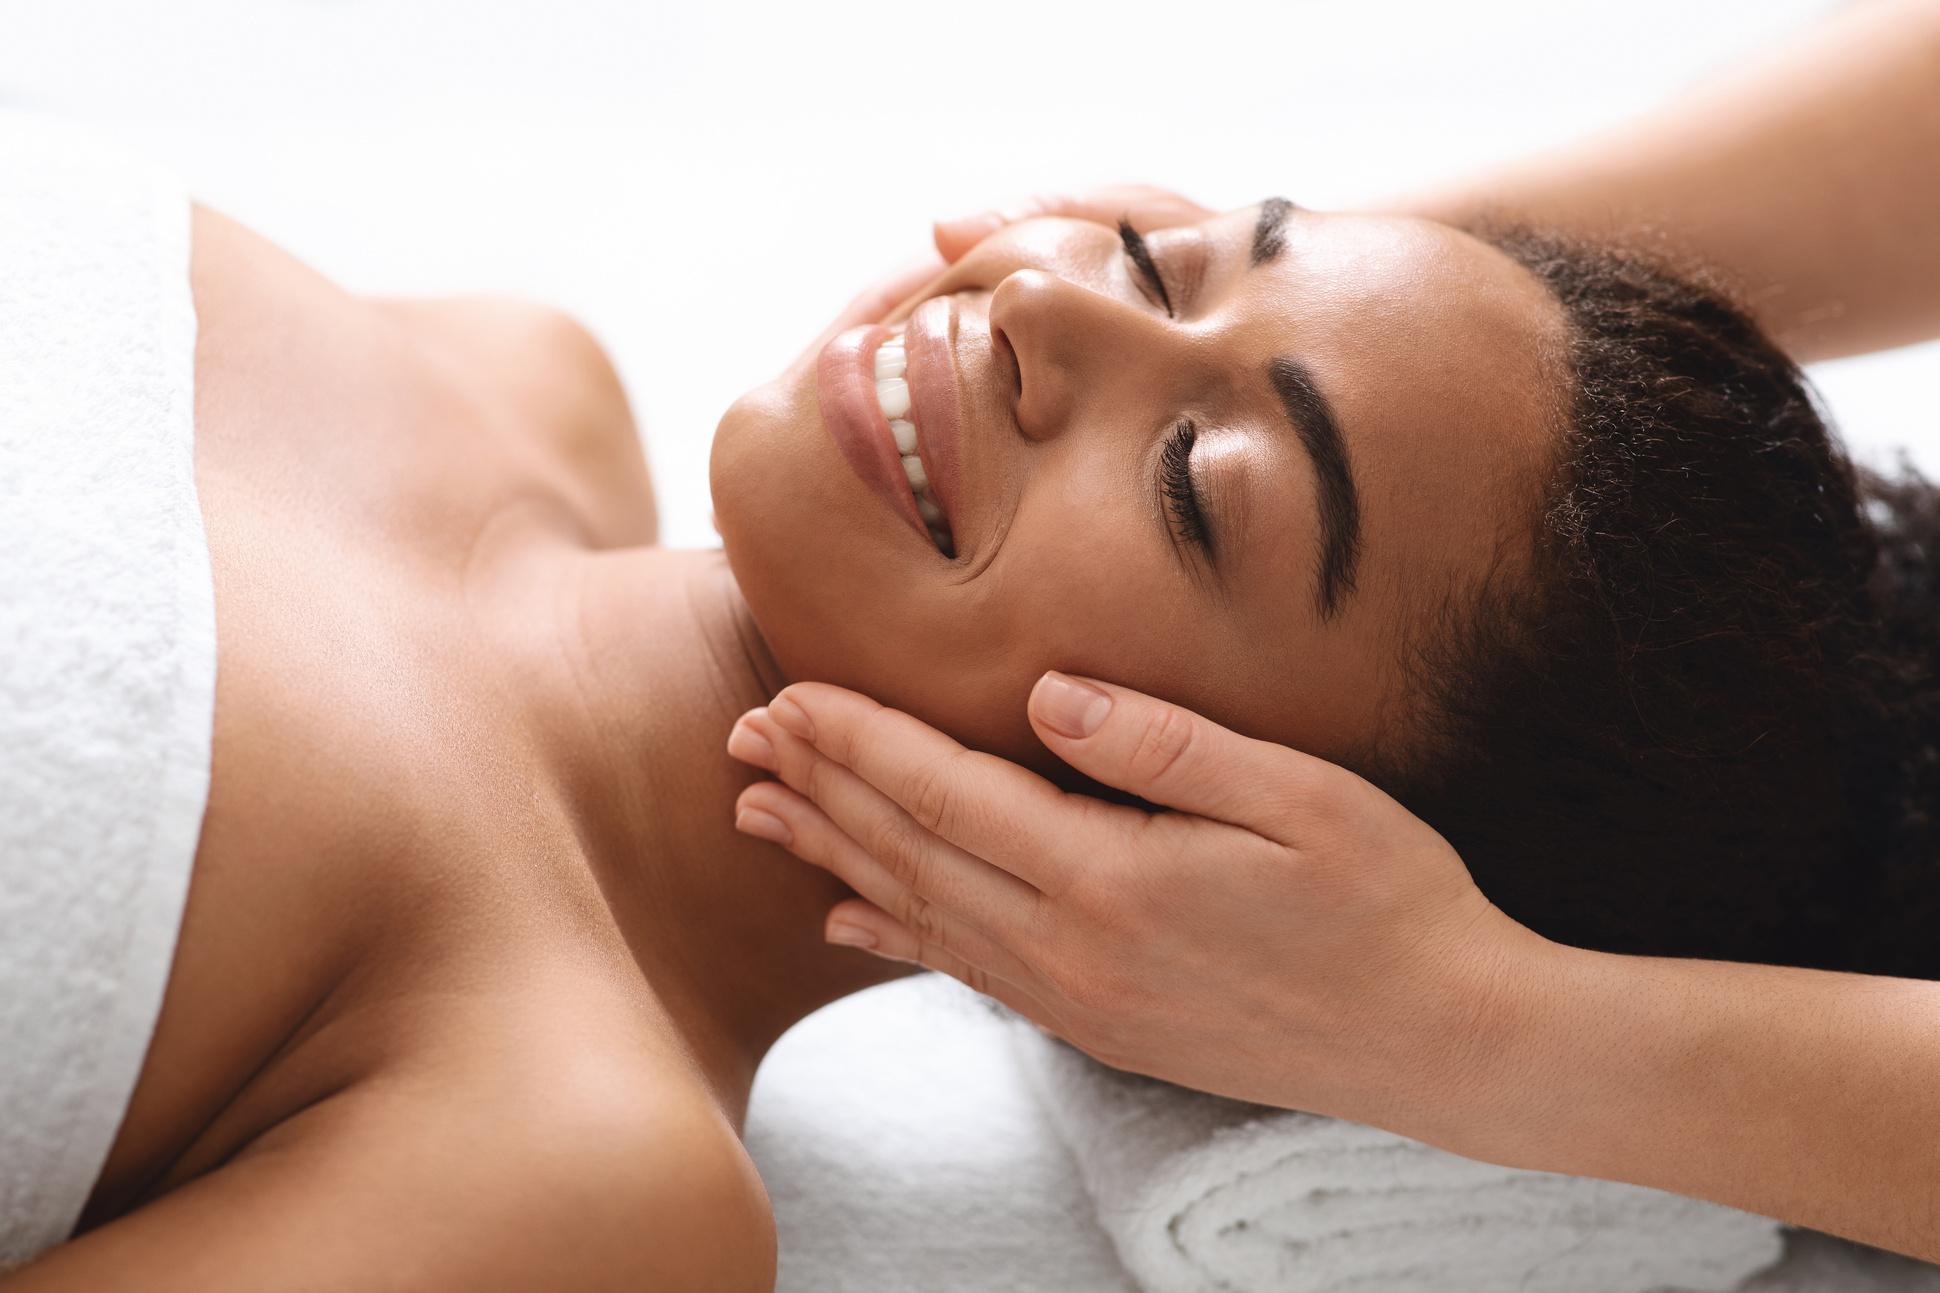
<point x="1072" y="346"/>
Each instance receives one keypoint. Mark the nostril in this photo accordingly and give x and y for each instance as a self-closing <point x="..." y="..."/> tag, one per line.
<point x="1007" y="359"/>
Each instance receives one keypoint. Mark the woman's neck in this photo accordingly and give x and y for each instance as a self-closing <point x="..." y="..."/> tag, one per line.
<point x="660" y="656"/>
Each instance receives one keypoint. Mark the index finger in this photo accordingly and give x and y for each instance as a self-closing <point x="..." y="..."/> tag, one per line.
<point x="1143" y="206"/>
<point x="1008" y="816"/>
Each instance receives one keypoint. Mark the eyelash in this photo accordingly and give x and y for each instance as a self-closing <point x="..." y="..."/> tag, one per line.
<point x="1177" y="487"/>
<point x="1141" y="257"/>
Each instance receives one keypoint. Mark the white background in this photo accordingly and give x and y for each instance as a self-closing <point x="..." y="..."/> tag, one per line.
<point x="706" y="186"/>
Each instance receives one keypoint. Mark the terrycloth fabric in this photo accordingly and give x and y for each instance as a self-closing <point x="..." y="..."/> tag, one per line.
<point x="906" y="1150"/>
<point x="107" y="651"/>
<point x="905" y="1153"/>
<point x="1201" y="1194"/>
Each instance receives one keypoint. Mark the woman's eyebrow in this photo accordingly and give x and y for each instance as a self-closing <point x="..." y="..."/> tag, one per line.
<point x="1269" y="231"/>
<point x="1340" y="503"/>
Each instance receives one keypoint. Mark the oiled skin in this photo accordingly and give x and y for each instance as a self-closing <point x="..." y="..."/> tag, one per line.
<point x="474" y="972"/>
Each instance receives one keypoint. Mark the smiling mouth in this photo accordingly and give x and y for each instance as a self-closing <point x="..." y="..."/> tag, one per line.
<point x="892" y="393"/>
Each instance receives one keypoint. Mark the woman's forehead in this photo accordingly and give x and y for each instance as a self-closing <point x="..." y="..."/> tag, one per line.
<point x="1435" y="354"/>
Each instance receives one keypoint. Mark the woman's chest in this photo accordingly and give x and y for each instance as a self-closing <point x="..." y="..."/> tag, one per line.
<point x="381" y="860"/>
<point x="383" y="840"/>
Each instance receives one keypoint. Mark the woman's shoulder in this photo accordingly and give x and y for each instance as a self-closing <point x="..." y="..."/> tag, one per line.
<point x="366" y="410"/>
<point x="544" y="372"/>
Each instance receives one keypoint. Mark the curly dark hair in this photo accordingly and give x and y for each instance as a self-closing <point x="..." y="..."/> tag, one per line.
<point x="1708" y="726"/>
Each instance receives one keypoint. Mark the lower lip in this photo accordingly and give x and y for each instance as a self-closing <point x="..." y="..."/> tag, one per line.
<point x="845" y="385"/>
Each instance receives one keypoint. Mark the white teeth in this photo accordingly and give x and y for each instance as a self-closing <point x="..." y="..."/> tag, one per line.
<point x="892" y="393"/>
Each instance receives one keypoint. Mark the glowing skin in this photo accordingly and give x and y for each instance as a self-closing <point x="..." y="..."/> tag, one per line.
<point x="1048" y="379"/>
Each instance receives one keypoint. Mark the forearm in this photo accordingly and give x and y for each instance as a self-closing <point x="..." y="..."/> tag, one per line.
<point x="1807" y="1096"/>
<point x="1811" y="176"/>
<point x="1291" y="936"/>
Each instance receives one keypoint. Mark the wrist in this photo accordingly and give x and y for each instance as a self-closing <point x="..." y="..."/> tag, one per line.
<point x="1484" y="1088"/>
<point x="1447" y="1053"/>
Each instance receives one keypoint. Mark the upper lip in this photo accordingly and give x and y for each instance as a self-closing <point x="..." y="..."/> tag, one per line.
<point x="845" y="387"/>
<point x="929" y="339"/>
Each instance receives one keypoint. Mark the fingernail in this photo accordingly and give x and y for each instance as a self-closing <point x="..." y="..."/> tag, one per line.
<point x="750" y="746"/>
<point x="850" y="935"/>
<point x="764" y="826"/>
<point x="1067" y="706"/>
<point x="791" y="717"/>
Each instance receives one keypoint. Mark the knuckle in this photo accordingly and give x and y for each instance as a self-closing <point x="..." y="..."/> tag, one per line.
<point x="864" y="730"/>
<point x="1095" y="905"/>
<point x="899" y="844"/>
<point x="1116" y="912"/>
<point x="924" y="920"/>
<point x="1162" y="742"/>
<point x="810" y="774"/>
<point x="1323" y="807"/>
<point x="935" y="800"/>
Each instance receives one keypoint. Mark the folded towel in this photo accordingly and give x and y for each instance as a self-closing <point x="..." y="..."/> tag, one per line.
<point x="1201" y="1194"/>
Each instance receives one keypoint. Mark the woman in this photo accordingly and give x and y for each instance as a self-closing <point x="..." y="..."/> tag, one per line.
<point x="473" y="974"/>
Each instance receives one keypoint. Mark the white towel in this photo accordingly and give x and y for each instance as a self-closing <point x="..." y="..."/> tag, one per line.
<point x="905" y="1152"/>
<point x="1201" y="1194"/>
<point x="107" y="651"/>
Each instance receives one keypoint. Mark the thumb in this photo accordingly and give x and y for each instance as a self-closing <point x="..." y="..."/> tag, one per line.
<point x="1164" y="754"/>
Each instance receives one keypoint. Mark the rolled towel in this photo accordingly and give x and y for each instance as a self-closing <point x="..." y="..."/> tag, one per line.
<point x="1202" y="1194"/>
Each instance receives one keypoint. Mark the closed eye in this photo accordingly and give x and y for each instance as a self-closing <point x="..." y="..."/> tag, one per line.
<point x="1141" y="256"/>
<point x="1179" y="491"/>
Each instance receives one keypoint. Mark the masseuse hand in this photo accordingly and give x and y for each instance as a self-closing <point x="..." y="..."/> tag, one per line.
<point x="1142" y="206"/>
<point x="1288" y="935"/>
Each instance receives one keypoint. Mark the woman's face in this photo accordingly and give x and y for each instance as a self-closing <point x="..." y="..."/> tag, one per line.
<point x="1236" y="465"/>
